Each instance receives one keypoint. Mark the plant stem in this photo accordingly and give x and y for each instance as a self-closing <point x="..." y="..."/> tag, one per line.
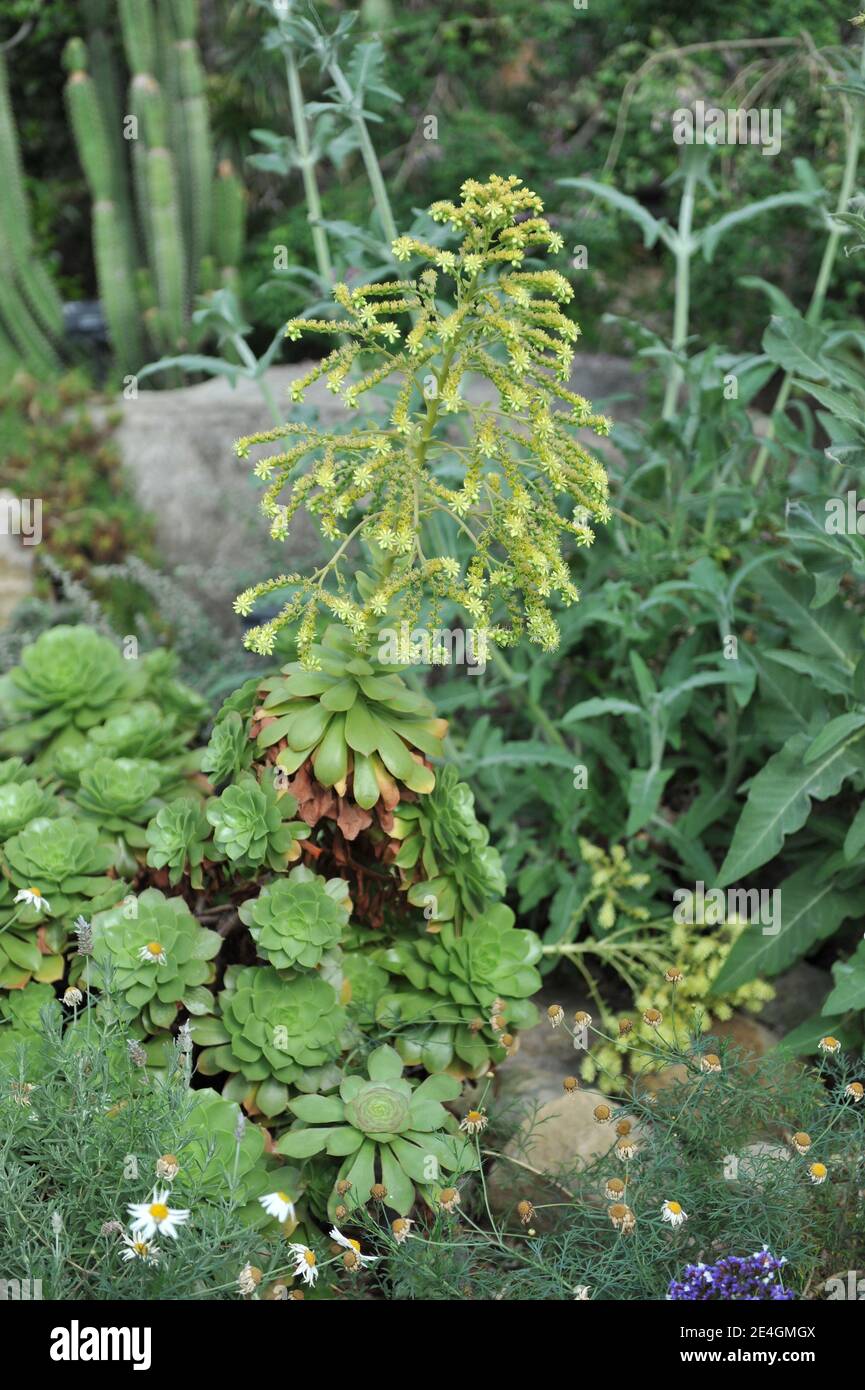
<point x="824" y="275"/>
<point x="367" y="149"/>
<point x="683" y="252"/>
<point x="307" y="170"/>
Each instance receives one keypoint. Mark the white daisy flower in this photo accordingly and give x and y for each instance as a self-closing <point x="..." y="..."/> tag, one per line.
<point x="33" y="898"/>
<point x="672" y="1212"/>
<point x="278" y="1205"/>
<point x="305" y="1267"/>
<point x="140" y="1250"/>
<point x="156" y="1216"/>
<point x="152" y="954"/>
<point x="353" y="1245"/>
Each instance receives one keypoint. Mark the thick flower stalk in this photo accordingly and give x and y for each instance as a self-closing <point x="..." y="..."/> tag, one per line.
<point x="391" y="1134"/>
<point x="519" y="462"/>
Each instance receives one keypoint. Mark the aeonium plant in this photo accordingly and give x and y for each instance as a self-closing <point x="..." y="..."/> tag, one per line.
<point x="525" y="483"/>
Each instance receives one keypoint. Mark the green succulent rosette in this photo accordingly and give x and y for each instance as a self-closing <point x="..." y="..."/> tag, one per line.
<point x="178" y="839"/>
<point x="14" y="770"/>
<point x="159" y="955"/>
<point x="252" y="826"/>
<point x="148" y="733"/>
<point x="356" y="718"/>
<point x="120" y="794"/>
<point x="446" y="851"/>
<point x="297" y="921"/>
<point x="67" y="860"/>
<point x="274" y="1033"/>
<point x="215" y="1165"/>
<point x="22" y="802"/>
<point x="22" y="1031"/>
<point x="174" y="697"/>
<point x="387" y="1129"/>
<point x="70" y="676"/>
<point x="447" y="984"/>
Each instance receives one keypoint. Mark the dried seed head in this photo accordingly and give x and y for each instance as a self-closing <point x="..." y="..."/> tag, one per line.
<point x="343" y="1186"/>
<point x="378" y="1192"/>
<point x="525" y="1211"/>
<point x="653" y="1017"/>
<point x="570" y="1084"/>
<point x="582" y="1019"/>
<point x="341" y="1212"/>
<point x="623" y="1127"/>
<point x="673" y="976"/>
<point x="603" y="1114"/>
<point x="801" y="1141"/>
<point x="614" y="1189"/>
<point x="829" y="1044"/>
<point x="625" y="1027"/>
<point x="710" y="1062"/>
<point x="167" y="1167"/>
<point x="449" y="1198"/>
<point x="855" y="1091"/>
<point x="556" y="1014"/>
<point x="137" y="1055"/>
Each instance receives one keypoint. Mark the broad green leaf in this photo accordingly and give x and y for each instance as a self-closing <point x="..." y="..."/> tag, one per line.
<point x="590" y="709"/>
<point x="317" y="1110"/>
<point x="796" y="346"/>
<point x="384" y="1064"/>
<point x="833" y="733"/>
<point x="649" y="225"/>
<point x="303" y="1143"/>
<point x="849" y="977"/>
<point x="645" y="789"/>
<point x="854" y="841"/>
<point x="779" y="801"/>
<point x="810" y="912"/>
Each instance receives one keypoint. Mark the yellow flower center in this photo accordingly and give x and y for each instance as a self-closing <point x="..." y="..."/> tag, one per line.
<point x="473" y="1116"/>
<point x="310" y="1258"/>
<point x="673" y="1208"/>
<point x="355" y="1245"/>
<point x="155" y="948"/>
<point x="283" y="1197"/>
<point x="35" y="891"/>
<point x="159" y="1211"/>
<point x="141" y="1247"/>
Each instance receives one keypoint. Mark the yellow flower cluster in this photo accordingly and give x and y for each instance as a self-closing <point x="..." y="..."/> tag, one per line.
<point x="504" y="468"/>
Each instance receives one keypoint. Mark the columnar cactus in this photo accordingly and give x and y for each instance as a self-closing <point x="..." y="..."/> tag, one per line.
<point x="164" y="133"/>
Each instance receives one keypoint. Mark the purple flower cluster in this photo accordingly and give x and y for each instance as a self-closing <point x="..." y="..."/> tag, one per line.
<point x="750" y="1277"/>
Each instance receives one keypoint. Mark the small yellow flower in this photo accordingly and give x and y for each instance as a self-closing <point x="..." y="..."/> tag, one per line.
<point x="449" y="1198"/>
<point x="556" y="1015"/>
<point x="673" y="976"/>
<point x="829" y="1044"/>
<point x="153" y="953"/>
<point x="401" y="1229"/>
<point x="525" y="1211"/>
<point x="710" y="1062"/>
<point x="603" y="1114"/>
<point x="653" y="1017"/>
<point x="614" y="1190"/>
<point x="626" y="1149"/>
<point x="855" y="1091"/>
<point x="801" y="1142"/>
<point x="570" y="1085"/>
<point x="582" y="1019"/>
<point x="818" y="1173"/>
